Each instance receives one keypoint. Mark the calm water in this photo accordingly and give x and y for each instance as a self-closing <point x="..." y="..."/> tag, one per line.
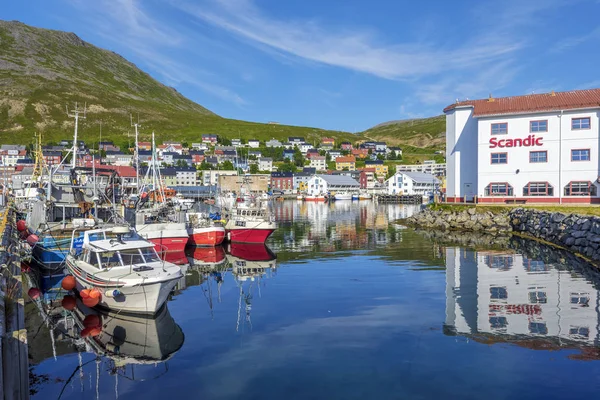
<point x="353" y="307"/>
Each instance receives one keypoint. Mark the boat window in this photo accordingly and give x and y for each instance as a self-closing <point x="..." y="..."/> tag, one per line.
<point x="131" y="257"/>
<point x="150" y="254"/>
<point x="109" y="259"/>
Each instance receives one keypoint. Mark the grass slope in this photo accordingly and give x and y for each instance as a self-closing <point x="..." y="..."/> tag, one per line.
<point x="41" y="71"/>
<point x="425" y="133"/>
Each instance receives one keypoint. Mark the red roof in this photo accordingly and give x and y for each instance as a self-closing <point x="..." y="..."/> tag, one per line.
<point x="345" y="159"/>
<point x="555" y="101"/>
<point x="124" y="171"/>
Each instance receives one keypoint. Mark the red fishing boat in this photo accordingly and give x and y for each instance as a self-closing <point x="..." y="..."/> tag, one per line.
<point x="249" y="225"/>
<point x="203" y="231"/>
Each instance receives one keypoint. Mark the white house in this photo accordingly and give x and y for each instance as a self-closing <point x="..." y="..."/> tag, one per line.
<point x="273" y="143"/>
<point x="318" y="162"/>
<point x="323" y="184"/>
<point x="200" y="146"/>
<point x="236" y="142"/>
<point x="211" y="177"/>
<point x="304" y="147"/>
<point x="186" y="176"/>
<point x="532" y="148"/>
<point x="265" y="164"/>
<point x="253" y="143"/>
<point x="412" y="183"/>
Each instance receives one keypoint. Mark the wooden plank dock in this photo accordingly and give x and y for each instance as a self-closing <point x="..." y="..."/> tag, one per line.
<point x="396" y="199"/>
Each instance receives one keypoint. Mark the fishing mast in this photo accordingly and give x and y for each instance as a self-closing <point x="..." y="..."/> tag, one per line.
<point x="76" y="114"/>
<point x="136" y="154"/>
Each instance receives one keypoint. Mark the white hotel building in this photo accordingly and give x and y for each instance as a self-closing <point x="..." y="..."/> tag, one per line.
<point x="540" y="148"/>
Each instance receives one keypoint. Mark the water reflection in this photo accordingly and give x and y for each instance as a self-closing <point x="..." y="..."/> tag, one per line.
<point x="532" y="300"/>
<point x="336" y="226"/>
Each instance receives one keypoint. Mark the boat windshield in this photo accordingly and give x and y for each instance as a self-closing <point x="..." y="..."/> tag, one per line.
<point x="131" y="257"/>
<point x="150" y="254"/>
<point x="108" y="259"/>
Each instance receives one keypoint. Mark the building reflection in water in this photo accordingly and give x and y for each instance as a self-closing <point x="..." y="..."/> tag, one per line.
<point x="508" y="297"/>
<point x="336" y="226"/>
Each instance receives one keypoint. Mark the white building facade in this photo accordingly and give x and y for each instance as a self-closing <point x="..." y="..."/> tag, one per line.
<point x="412" y="184"/>
<point x="538" y="148"/>
<point x="323" y="184"/>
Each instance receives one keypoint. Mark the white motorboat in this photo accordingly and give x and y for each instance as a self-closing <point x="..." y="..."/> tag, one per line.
<point x="342" y="196"/>
<point x="185" y="204"/>
<point x="124" y="268"/>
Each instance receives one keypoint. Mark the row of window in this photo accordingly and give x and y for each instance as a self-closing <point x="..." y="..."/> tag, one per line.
<point x="542" y="189"/>
<point x="542" y="156"/>
<point x="501" y="128"/>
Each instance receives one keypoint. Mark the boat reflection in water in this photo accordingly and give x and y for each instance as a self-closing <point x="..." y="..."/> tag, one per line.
<point x="504" y="297"/>
<point x="134" y="347"/>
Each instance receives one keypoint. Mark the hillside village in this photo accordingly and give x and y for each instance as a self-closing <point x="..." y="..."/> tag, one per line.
<point x="288" y="165"/>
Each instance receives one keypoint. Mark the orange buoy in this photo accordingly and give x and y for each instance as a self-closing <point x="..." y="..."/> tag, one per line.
<point x="86" y="332"/>
<point x="34" y="293"/>
<point x="68" y="282"/>
<point x="95" y="331"/>
<point x="32" y="239"/>
<point x="96" y="294"/>
<point x="69" y="302"/>
<point x="91" y="301"/>
<point x="21" y="225"/>
<point x="85" y="293"/>
<point x="91" y="321"/>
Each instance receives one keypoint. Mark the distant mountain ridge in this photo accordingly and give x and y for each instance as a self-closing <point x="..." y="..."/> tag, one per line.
<point x="42" y="70"/>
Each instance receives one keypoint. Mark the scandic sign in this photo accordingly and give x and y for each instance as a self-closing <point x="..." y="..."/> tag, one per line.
<point x="530" y="140"/>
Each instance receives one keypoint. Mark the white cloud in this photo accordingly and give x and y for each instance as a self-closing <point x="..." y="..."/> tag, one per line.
<point x="352" y="48"/>
<point x="127" y="24"/>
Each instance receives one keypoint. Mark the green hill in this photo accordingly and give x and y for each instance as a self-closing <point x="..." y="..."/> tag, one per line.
<point x="41" y="71"/>
<point x="420" y="139"/>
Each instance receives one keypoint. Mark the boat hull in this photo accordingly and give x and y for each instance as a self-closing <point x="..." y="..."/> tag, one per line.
<point x="315" y="198"/>
<point x="138" y="299"/>
<point x="167" y="237"/>
<point x="210" y="236"/>
<point x="342" y="197"/>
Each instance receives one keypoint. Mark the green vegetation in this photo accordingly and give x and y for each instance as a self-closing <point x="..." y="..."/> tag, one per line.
<point x="45" y="70"/>
<point x="426" y="133"/>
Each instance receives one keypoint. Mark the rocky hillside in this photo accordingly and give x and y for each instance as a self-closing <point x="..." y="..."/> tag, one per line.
<point x="41" y="71"/>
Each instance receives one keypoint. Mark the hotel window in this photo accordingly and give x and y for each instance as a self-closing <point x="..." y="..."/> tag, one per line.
<point x="498" y="322"/>
<point x="538" y="156"/>
<point x="499" y="158"/>
<point x="538" y="328"/>
<point x="498" y="293"/>
<point x="500" y="128"/>
<point x="498" y="189"/>
<point x="580" y="331"/>
<point x="538" y="189"/>
<point x="538" y="297"/>
<point x="583" y="299"/>
<point x="580" y="189"/>
<point x="580" y="155"/>
<point x="538" y="126"/>
<point x="580" y="123"/>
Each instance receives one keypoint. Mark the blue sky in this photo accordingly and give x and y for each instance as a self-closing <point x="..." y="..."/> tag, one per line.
<point x="339" y="64"/>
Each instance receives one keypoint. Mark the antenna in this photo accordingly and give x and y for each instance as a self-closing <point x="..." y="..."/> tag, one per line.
<point x="136" y="155"/>
<point x="76" y="114"/>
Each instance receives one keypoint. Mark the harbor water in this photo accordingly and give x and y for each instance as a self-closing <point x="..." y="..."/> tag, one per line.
<point x="343" y="304"/>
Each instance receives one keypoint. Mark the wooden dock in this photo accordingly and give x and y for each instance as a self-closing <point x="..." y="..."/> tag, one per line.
<point x="14" y="361"/>
<point x="393" y="199"/>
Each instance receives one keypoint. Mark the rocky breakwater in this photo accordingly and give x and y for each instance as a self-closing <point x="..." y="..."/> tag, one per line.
<point x="460" y="219"/>
<point x="579" y="234"/>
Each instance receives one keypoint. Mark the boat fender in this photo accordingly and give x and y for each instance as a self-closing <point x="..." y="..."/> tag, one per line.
<point x="68" y="282"/>
<point x="21" y="225"/>
<point x="34" y="293"/>
<point x="112" y="293"/>
<point x="32" y="239"/>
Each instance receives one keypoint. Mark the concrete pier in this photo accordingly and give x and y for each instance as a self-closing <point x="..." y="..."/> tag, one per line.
<point x="14" y="362"/>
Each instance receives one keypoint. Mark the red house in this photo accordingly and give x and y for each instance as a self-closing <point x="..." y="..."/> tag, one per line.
<point x="283" y="181"/>
<point x="346" y="146"/>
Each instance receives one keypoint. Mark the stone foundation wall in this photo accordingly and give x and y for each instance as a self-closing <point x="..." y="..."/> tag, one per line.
<point x="466" y="220"/>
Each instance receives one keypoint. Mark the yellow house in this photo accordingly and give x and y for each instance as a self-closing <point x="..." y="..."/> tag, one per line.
<point x="345" y="163"/>
<point x="381" y="169"/>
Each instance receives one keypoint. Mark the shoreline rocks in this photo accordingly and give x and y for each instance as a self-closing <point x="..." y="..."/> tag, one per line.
<point x="576" y="233"/>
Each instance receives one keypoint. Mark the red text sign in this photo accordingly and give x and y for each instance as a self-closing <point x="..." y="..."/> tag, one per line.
<point x="530" y="140"/>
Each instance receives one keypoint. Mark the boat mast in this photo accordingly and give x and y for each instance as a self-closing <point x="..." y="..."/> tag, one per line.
<point x="136" y="154"/>
<point x="75" y="114"/>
